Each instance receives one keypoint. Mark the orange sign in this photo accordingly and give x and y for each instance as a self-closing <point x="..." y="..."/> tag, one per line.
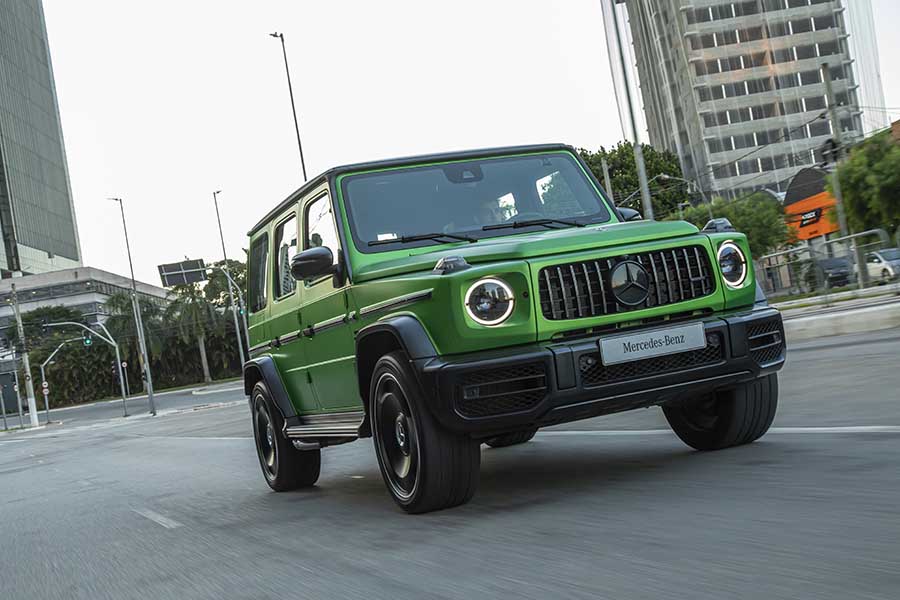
<point x="812" y="217"/>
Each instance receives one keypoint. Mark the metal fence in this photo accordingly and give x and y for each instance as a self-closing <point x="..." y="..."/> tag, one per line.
<point x="851" y="262"/>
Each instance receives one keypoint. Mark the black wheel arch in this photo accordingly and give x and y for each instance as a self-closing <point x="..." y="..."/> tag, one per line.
<point x="402" y="332"/>
<point x="264" y="369"/>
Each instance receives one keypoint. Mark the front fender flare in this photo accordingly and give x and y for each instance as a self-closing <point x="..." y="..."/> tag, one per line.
<point x="264" y="369"/>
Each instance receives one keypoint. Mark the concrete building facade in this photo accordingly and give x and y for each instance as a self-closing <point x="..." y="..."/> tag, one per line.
<point x="37" y="217"/>
<point x="735" y="88"/>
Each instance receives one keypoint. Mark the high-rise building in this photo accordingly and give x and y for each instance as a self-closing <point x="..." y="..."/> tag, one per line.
<point x="37" y="218"/>
<point x="735" y="89"/>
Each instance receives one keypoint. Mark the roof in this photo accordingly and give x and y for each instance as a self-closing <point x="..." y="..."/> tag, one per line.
<point x="807" y="182"/>
<point x="402" y="162"/>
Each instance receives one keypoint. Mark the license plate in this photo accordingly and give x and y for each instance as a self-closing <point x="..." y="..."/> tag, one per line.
<point x="648" y="344"/>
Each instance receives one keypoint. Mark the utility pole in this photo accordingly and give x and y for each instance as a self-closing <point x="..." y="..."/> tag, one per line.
<point x="237" y="328"/>
<point x="861" y="269"/>
<point x="607" y="182"/>
<point x="638" y="152"/>
<point x="138" y="320"/>
<point x="26" y="365"/>
<point x="293" y="107"/>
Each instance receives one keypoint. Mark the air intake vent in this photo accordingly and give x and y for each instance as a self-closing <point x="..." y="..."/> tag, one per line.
<point x="501" y="391"/>
<point x="766" y="341"/>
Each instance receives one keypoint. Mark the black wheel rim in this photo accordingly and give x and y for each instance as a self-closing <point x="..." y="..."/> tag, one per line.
<point x="396" y="437"/>
<point x="266" y="444"/>
<point x="703" y="414"/>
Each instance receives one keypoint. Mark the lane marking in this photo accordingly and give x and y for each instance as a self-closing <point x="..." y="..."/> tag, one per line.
<point x="158" y="518"/>
<point x="777" y="430"/>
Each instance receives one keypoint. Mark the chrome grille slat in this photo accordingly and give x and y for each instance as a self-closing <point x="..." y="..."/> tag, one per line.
<point x="582" y="289"/>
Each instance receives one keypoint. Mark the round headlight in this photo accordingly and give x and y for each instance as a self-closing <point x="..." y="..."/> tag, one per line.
<point x="489" y="301"/>
<point x="733" y="264"/>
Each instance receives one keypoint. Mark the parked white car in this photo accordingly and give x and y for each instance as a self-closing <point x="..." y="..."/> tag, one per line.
<point x="883" y="265"/>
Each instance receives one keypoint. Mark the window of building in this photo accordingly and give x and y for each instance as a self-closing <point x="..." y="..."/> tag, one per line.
<point x="773" y="5"/>
<point x="743" y="9"/>
<point x="725" y="171"/>
<point x="285" y="249"/>
<point x="752" y="34"/>
<point x="259" y="254"/>
<point x="819" y="128"/>
<point x="726" y="38"/>
<point x="826" y="22"/>
<point x="810" y="77"/>
<point x="804" y="52"/>
<point x="319" y="226"/>
<point x="777" y="29"/>
<point x="797" y="3"/>
<point x="815" y="103"/>
<point x="747" y="167"/>
<point x="801" y="26"/>
<point x="829" y="48"/>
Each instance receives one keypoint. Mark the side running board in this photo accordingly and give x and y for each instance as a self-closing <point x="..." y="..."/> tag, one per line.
<point x="330" y="425"/>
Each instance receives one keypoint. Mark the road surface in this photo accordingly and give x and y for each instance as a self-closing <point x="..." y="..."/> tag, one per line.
<point x="176" y="507"/>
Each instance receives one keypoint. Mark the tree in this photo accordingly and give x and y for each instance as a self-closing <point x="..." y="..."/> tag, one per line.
<point x="216" y="290"/>
<point x="665" y="195"/>
<point x="870" y="183"/>
<point x="194" y="316"/>
<point x="759" y="216"/>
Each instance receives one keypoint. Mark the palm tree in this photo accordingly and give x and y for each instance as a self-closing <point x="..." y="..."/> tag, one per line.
<point x="194" y="316"/>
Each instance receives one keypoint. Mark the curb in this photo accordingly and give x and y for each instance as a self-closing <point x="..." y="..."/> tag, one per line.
<point x="859" y="320"/>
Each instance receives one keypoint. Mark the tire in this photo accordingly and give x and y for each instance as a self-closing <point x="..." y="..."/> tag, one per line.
<point x="511" y="439"/>
<point x="885" y="277"/>
<point x="725" y="419"/>
<point x="424" y="466"/>
<point x="284" y="467"/>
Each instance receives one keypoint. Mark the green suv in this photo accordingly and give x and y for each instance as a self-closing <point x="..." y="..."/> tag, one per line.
<point x="439" y="302"/>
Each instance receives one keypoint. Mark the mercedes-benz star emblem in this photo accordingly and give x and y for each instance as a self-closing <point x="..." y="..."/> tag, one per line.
<point x="630" y="283"/>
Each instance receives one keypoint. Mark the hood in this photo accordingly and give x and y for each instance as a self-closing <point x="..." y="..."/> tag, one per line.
<point x="522" y="246"/>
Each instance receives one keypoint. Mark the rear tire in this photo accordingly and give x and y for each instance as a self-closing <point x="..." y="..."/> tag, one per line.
<point x="728" y="418"/>
<point x="284" y="467"/>
<point x="511" y="439"/>
<point x="425" y="467"/>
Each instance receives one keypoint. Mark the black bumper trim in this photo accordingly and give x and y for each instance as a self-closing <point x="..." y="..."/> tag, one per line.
<point x="569" y="397"/>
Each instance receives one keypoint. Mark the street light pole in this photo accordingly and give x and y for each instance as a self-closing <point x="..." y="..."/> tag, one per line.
<point x="138" y="320"/>
<point x="29" y="384"/>
<point x="237" y="328"/>
<point x="696" y="185"/>
<point x="293" y="106"/>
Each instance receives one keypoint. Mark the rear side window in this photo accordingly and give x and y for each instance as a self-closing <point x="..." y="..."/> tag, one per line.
<point x="259" y="254"/>
<point x="285" y="249"/>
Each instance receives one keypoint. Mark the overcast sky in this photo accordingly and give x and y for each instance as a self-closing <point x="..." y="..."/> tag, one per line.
<point x="163" y="103"/>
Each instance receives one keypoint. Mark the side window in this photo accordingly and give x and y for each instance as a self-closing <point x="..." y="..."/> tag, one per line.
<point x="319" y="226"/>
<point x="259" y="254"/>
<point x="285" y="249"/>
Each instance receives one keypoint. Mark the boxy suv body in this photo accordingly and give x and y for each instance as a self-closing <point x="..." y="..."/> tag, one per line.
<point x="437" y="303"/>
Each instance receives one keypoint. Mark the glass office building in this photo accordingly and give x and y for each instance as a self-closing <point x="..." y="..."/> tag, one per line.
<point x="735" y="88"/>
<point x="37" y="218"/>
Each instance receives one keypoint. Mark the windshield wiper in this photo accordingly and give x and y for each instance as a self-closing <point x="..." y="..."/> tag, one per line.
<point x="424" y="236"/>
<point x="532" y="222"/>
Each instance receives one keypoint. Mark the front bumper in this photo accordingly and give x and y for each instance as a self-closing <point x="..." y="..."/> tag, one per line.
<point x="495" y="391"/>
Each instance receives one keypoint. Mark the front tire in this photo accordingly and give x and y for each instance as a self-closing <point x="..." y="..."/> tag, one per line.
<point x="284" y="467"/>
<point x="511" y="439"/>
<point x="424" y="466"/>
<point x="728" y="418"/>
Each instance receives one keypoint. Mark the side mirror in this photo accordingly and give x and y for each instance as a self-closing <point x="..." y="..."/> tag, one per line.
<point x="629" y="214"/>
<point x="312" y="262"/>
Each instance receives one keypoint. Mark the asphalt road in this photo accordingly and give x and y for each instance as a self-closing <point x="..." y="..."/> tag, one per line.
<point x="617" y="507"/>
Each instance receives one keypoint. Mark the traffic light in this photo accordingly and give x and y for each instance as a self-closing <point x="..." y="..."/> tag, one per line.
<point x="88" y="341"/>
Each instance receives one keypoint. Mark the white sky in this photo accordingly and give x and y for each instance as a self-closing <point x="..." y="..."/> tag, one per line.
<point x="162" y="103"/>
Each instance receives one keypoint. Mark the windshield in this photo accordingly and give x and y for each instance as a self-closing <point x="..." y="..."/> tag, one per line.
<point x="464" y="198"/>
<point x="834" y="263"/>
<point x="891" y="254"/>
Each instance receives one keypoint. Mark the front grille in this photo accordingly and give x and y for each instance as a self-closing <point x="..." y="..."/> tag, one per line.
<point x="501" y="391"/>
<point x="766" y="341"/>
<point x="583" y="289"/>
<point x="594" y="372"/>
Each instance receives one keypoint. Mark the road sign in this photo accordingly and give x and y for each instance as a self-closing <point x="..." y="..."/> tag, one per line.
<point x="46" y="392"/>
<point x="124" y="365"/>
<point x="45" y="385"/>
<point x="182" y="273"/>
